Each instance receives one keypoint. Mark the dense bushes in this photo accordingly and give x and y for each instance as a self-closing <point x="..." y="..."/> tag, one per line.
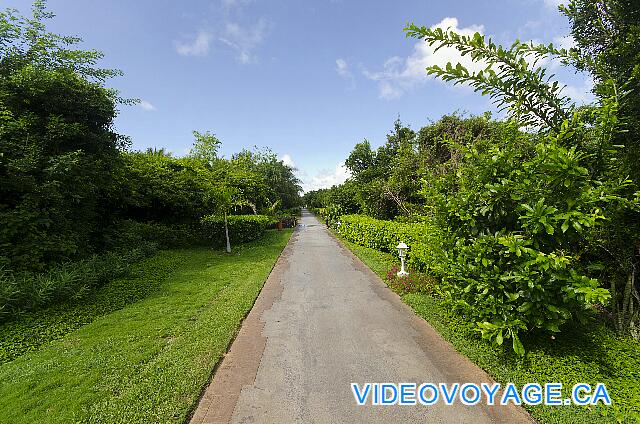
<point x="242" y="228"/>
<point x="517" y="222"/>
<point x="134" y="233"/>
<point x="504" y="283"/>
<point x="506" y="286"/>
<point x="58" y="154"/>
<point x="67" y="183"/>
<point x="25" y="291"/>
<point x="155" y="187"/>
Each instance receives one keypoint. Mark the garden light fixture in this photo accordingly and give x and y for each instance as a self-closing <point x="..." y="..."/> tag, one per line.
<point x="402" y="252"/>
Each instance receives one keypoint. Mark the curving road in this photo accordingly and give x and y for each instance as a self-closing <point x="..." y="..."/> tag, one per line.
<point x="323" y="321"/>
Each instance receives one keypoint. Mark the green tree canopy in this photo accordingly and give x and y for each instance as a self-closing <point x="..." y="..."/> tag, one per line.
<point x="58" y="145"/>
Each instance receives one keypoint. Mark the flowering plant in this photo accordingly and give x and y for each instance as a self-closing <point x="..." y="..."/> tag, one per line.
<point x="412" y="283"/>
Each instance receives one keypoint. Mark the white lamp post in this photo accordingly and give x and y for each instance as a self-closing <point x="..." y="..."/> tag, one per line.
<point x="402" y="252"/>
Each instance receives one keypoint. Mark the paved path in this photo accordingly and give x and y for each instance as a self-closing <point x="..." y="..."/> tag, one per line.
<point x="323" y="321"/>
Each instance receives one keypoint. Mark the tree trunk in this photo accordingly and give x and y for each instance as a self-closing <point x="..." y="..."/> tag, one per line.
<point x="624" y="313"/>
<point x="226" y="231"/>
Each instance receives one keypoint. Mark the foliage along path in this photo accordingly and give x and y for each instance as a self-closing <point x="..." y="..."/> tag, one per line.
<point x="322" y="322"/>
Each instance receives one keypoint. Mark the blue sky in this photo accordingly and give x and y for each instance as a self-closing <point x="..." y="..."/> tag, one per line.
<point x="307" y="78"/>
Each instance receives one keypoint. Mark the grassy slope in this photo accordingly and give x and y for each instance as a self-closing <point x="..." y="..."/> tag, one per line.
<point x="148" y="361"/>
<point x="35" y="329"/>
<point x="581" y="354"/>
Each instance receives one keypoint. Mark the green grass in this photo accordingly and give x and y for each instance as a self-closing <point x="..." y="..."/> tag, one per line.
<point x="34" y="329"/>
<point x="149" y="360"/>
<point x="580" y="354"/>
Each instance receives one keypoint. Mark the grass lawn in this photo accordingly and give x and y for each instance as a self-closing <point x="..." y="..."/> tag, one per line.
<point x="147" y="361"/>
<point x="580" y="354"/>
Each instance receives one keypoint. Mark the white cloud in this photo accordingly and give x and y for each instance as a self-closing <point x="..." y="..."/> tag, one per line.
<point x="342" y="68"/>
<point x="198" y="47"/>
<point x="327" y="178"/>
<point x="581" y="94"/>
<point x="566" y="42"/>
<point x="553" y="4"/>
<point x="244" y="39"/>
<point x="400" y="75"/>
<point x="146" y="105"/>
<point x="287" y="160"/>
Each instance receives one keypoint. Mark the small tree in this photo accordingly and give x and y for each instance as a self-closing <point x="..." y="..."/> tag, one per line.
<point x="227" y="200"/>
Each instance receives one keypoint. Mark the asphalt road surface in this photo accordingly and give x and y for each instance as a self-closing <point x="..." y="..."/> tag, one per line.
<point x="322" y="322"/>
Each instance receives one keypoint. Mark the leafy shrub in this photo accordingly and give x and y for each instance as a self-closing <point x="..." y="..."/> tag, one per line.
<point x="561" y="189"/>
<point x="508" y="286"/>
<point x="502" y="281"/>
<point x="242" y="228"/>
<point x="520" y="214"/>
<point x="318" y="211"/>
<point x="332" y="214"/>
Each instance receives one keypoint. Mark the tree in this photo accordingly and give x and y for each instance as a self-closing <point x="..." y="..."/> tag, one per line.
<point x="260" y="178"/>
<point x="228" y="198"/>
<point x="360" y="160"/>
<point x="280" y="179"/>
<point x="227" y="201"/>
<point x="384" y="179"/>
<point x="607" y="35"/>
<point x="59" y="149"/>
<point x="240" y="174"/>
<point x="155" y="187"/>
<point x="205" y="147"/>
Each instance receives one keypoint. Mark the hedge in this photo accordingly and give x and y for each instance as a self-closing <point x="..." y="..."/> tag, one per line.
<point x="133" y="233"/>
<point x="425" y="240"/>
<point x="242" y="228"/>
